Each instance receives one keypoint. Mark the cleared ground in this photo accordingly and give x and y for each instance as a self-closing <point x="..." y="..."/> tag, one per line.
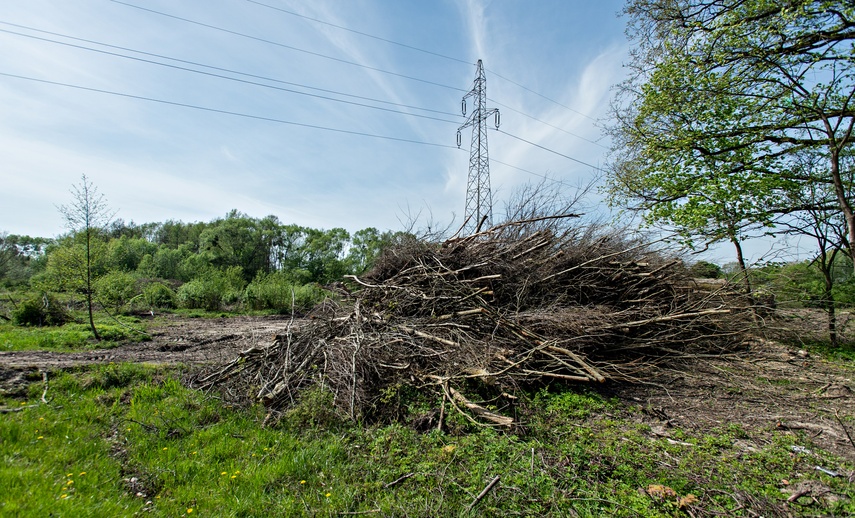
<point x="766" y="387"/>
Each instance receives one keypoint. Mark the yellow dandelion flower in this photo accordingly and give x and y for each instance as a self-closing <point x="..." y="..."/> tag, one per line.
<point x="234" y="476"/>
<point x="189" y="510"/>
<point x="82" y="473"/>
<point x="237" y="472"/>
<point x="23" y="403"/>
<point x="39" y="437"/>
<point x="69" y="474"/>
<point x="302" y="481"/>
<point x="41" y="418"/>
<point x="69" y="482"/>
<point x="192" y="453"/>
<point x="165" y="449"/>
<point x="223" y="473"/>
<point x="63" y="495"/>
<point x="329" y="495"/>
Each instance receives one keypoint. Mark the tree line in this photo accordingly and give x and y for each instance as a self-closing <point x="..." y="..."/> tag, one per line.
<point x="233" y="261"/>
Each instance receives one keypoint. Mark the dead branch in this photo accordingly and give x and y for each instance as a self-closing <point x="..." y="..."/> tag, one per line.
<point x="509" y="306"/>
<point x="483" y="493"/>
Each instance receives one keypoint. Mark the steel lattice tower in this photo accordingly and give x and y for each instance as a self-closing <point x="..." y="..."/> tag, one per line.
<point x="479" y="200"/>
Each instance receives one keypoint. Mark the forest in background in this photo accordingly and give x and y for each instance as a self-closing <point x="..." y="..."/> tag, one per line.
<point x="236" y="262"/>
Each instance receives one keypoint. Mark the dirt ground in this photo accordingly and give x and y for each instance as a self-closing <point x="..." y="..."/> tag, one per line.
<point x="764" y="387"/>
<point x="177" y="340"/>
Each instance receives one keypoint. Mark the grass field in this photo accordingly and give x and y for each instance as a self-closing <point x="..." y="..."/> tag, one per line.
<point x="125" y="440"/>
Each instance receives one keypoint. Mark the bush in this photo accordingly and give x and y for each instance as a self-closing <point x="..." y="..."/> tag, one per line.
<point x="277" y="291"/>
<point x="158" y="295"/>
<point x="211" y="289"/>
<point x="40" y="310"/>
<point x="116" y="289"/>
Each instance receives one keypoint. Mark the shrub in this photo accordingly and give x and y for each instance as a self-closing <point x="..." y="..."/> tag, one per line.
<point x="158" y="295"/>
<point x="211" y="289"/>
<point x="40" y="310"/>
<point x="116" y="289"/>
<point x="278" y="291"/>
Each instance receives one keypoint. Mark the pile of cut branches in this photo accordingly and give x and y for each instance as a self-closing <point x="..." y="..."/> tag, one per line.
<point x="518" y="304"/>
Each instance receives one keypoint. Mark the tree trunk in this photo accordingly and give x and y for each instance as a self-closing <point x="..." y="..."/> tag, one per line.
<point x="746" y="280"/>
<point x="843" y="201"/>
<point x="826" y="265"/>
<point x="89" y="283"/>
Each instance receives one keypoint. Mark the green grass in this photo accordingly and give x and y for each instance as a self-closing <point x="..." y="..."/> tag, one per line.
<point x="110" y="432"/>
<point x="73" y="336"/>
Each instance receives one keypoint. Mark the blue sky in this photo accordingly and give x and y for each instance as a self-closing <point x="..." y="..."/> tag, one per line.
<point x="156" y="161"/>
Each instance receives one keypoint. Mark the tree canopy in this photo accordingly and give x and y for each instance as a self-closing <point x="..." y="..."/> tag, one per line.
<point x="724" y="100"/>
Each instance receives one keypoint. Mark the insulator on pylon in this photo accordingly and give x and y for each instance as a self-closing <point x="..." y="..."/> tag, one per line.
<point x="497" y="119"/>
<point x="463" y="106"/>
<point x="459" y="139"/>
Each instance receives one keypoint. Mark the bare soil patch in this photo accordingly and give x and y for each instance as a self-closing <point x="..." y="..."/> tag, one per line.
<point x="178" y="340"/>
<point x="765" y="388"/>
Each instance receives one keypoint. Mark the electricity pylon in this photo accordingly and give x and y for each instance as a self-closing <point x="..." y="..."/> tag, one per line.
<point x="479" y="200"/>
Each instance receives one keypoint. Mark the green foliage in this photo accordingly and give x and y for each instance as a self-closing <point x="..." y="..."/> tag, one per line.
<point x="213" y="260"/>
<point x="113" y="431"/>
<point x="126" y="253"/>
<point x="40" y="310"/>
<point x="211" y="289"/>
<point x="19" y="258"/>
<point x="158" y="295"/>
<point x="802" y="284"/>
<point x="279" y="292"/>
<point x="705" y="270"/>
<point x="723" y="102"/>
<point x="66" y="264"/>
<point x="116" y="289"/>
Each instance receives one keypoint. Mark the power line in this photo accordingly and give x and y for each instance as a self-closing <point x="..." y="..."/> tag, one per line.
<point x="225" y="112"/>
<point x="546" y="123"/>
<point x="547" y="149"/>
<point x="194" y="63"/>
<point x="545" y="177"/>
<point x="418" y="49"/>
<point x="278" y="44"/>
<point x="540" y="95"/>
<point x="360" y="32"/>
<point x="228" y="78"/>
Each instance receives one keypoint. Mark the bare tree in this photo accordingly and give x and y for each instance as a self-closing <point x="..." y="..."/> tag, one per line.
<point x="87" y="214"/>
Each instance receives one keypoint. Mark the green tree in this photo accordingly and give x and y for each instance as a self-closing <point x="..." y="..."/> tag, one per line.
<point x="722" y="99"/>
<point x="87" y="215"/>
<point x="365" y="246"/>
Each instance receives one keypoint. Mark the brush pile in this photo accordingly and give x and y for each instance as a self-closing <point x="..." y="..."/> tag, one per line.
<point x="522" y="303"/>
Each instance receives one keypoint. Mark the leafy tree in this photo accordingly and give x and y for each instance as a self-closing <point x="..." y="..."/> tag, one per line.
<point x="87" y="215"/>
<point x="324" y="253"/>
<point x="366" y="245"/>
<point x="723" y="97"/>
<point x="20" y="257"/>
<point x="126" y="253"/>
<point x="705" y="270"/>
